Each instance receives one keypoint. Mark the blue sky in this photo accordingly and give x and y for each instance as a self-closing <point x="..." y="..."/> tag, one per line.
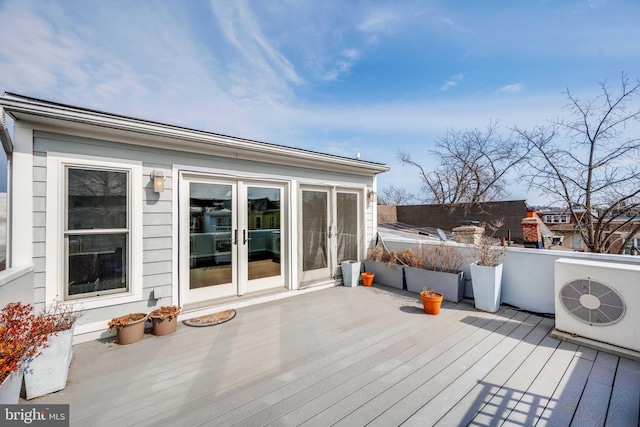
<point x="339" y="77"/>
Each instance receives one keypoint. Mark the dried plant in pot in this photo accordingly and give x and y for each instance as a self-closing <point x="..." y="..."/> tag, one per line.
<point x="165" y="319"/>
<point x="48" y="372"/>
<point x="486" y="272"/>
<point x="437" y="266"/>
<point x="384" y="264"/>
<point x="23" y="335"/>
<point x="128" y="328"/>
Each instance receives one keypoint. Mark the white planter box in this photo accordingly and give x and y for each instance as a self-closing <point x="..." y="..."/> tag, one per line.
<point x="487" y="287"/>
<point x="350" y="273"/>
<point x="450" y="285"/>
<point x="389" y="275"/>
<point x="48" y="372"/>
<point x="10" y="388"/>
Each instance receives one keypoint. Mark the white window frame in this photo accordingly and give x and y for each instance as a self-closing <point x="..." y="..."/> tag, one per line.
<point x="55" y="223"/>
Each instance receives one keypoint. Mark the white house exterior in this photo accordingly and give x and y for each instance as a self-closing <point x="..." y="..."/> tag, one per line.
<point x="229" y="222"/>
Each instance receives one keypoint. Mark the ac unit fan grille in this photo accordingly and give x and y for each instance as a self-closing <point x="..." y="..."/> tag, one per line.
<point x="592" y="302"/>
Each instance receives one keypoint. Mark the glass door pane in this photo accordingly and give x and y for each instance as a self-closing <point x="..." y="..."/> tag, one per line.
<point x="211" y="213"/>
<point x="347" y="227"/>
<point x="263" y="223"/>
<point x="314" y="250"/>
<point x="314" y="230"/>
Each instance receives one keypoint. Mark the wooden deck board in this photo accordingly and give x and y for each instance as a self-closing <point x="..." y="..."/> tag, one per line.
<point x="624" y="408"/>
<point x="592" y="410"/>
<point x="533" y="402"/>
<point x="421" y="388"/>
<point x="563" y="404"/>
<point x="503" y="402"/>
<point x="351" y="356"/>
<point x="472" y="403"/>
<point x="420" y="369"/>
<point x="435" y="409"/>
<point x="349" y="397"/>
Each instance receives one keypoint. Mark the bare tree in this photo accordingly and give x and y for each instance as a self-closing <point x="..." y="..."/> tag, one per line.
<point x="473" y="165"/>
<point x="589" y="162"/>
<point x="395" y="196"/>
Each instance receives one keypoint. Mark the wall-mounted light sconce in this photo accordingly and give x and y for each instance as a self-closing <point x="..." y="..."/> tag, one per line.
<point x="371" y="196"/>
<point x="158" y="180"/>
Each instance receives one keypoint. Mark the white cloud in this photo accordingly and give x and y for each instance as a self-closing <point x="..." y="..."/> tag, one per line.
<point x="256" y="54"/>
<point x="453" y="81"/>
<point x="343" y="64"/>
<point x="512" y="88"/>
<point x="379" y="20"/>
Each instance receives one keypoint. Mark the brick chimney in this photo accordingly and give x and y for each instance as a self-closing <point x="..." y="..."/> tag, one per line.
<point x="531" y="232"/>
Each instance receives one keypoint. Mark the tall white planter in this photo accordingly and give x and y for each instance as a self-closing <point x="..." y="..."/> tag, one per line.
<point x="350" y="273"/>
<point x="10" y="388"/>
<point x="487" y="286"/>
<point x="48" y="372"/>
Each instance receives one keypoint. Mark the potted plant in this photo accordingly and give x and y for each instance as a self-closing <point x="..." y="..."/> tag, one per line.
<point x="165" y="319"/>
<point x="23" y="334"/>
<point x="431" y="301"/>
<point x="48" y="372"/>
<point x="437" y="266"/>
<point x="486" y="273"/>
<point x="384" y="265"/>
<point x="129" y="328"/>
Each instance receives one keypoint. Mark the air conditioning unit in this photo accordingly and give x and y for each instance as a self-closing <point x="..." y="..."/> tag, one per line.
<point x="599" y="301"/>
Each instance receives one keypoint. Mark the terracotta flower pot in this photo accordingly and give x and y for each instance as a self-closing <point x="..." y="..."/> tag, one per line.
<point x="367" y="278"/>
<point x="431" y="301"/>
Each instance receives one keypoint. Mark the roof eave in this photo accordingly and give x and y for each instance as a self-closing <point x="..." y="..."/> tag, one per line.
<point x="28" y="108"/>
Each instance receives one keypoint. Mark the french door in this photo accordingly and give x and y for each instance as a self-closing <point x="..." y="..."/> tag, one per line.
<point x="231" y="237"/>
<point x="330" y="231"/>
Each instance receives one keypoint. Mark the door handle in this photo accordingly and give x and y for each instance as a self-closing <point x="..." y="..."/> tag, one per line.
<point x="235" y="236"/>
<point x="244" y="237"/>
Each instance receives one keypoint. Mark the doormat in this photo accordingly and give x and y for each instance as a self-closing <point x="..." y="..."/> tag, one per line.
<point x="211" y="319"/>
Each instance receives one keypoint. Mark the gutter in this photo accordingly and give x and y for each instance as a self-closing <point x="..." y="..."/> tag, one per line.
<point x="4" y="133"/>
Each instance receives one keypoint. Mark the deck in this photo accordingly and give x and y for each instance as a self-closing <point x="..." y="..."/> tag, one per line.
<point x="351" y="357"/>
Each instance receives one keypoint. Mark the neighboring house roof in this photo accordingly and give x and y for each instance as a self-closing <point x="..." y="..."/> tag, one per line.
<point x="428" y="232"/>
<point x="162" y="135"/>
<point x="448" y="217"/>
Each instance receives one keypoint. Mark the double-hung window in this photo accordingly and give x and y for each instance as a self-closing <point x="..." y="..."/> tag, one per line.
<point x="93" y="229"/>
<point x="97" y="231"/>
